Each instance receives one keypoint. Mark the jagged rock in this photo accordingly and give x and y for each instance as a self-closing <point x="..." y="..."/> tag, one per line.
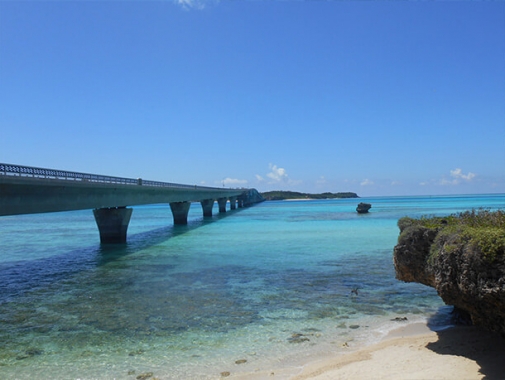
<point x="461" y="274"/>
<point x="411" y="255"/>
<point x="363" y="208"/>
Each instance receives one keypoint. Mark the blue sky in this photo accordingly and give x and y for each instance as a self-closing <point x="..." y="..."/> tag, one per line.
<point x="374" y="97"/>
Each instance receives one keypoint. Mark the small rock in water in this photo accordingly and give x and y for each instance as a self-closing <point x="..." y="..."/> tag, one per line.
<point x="33" y="352"/>
<point x="225" y="374"/>
<point x="363" y="208"/>
<point x="144" y="376"/>
<point x="241" y="361"/>
<point x="138" y="352"/>
<point x="400" y="319"/>
<point x="298" y="338"/>
<point x="354" y="327"/>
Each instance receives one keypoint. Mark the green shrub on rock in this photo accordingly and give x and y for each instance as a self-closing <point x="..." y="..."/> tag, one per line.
<point x="481" y="230"/>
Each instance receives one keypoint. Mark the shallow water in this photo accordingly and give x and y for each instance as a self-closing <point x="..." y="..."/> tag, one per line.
<point x="274" y="285"/>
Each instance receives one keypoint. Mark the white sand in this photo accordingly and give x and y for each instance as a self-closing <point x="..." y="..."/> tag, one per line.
<point x="412" y="352"/>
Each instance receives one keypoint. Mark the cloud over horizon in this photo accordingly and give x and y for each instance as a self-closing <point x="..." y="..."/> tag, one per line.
<point x="234" y="181"/>
<point x="277" y="174"/>
<point x="366" y="182"/>
<point x="458" y="176"/>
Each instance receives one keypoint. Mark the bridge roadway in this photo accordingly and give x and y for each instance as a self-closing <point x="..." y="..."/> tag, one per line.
<point x="30" y="190"/>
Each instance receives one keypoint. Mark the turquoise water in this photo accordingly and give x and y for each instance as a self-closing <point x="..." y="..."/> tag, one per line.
<point x="274" y="285"/>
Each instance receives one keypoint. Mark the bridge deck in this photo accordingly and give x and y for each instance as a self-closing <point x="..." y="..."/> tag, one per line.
<point x="27" y="190"/>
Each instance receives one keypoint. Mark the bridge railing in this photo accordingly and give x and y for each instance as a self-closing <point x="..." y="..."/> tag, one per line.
<point x="28" y="171"/>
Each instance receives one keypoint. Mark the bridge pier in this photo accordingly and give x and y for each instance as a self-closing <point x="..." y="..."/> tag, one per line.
<point x="207" y="205"/>
<point x="112" y="223"/>
<point x="222" y="204"/>
<point x="233" y="203"/>
<point x="180" y="212"/>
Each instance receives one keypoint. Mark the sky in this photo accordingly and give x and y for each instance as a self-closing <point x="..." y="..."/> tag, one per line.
<point x="373" y="97"/>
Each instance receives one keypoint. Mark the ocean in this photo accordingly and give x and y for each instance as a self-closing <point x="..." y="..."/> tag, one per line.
<point x="263" y="288"/>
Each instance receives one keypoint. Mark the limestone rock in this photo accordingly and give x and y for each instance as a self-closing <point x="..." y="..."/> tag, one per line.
<point x="461" y="274"/>
<point x="363" y="208"/>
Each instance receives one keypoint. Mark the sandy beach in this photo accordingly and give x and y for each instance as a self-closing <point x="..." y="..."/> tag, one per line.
<point x="411" y="352"/>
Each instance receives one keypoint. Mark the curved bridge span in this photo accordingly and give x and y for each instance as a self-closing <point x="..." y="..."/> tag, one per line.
<point x="30" y="190"/>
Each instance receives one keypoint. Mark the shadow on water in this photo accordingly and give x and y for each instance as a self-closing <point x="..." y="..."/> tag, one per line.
<point x="21" y="276"/>
<point x="483" y="347"/>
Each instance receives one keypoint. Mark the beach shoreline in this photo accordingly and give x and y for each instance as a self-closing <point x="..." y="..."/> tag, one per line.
<point x="412" y="351"/>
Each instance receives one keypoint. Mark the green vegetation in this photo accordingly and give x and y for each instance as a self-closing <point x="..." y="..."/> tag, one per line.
<point x="282" y="195"/>
<point x="482" y="231"/>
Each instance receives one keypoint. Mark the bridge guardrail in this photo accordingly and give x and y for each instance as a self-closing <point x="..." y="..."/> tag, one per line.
<point x="28" y="171"/>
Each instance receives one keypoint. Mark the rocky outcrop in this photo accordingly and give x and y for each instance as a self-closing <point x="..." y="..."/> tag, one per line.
<point x="363" y="208"/>
<point x="448" y="259"/>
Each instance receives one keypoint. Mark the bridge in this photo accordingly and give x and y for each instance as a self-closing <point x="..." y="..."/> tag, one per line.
<point x="31" y="190"/>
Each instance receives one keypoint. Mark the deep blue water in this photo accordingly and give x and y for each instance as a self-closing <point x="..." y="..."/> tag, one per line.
<point x="273" y="284"/>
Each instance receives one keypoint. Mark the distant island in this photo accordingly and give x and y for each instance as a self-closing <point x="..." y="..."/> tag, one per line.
<point x="283" y="195"/>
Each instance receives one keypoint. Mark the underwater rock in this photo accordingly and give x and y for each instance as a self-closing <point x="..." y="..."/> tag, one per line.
<point x="225" y="374"/>
<point x="354" y="327"/>
<point x="138" y="352"/>
<point x="241" y="361"/>
<point x="298" y="338"/>
<point x="363" y="208"/>
<point x="33" y="352"/>
<point x="144" y="376"/>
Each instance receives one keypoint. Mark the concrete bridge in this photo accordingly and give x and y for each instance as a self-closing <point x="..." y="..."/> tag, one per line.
<point x="30" y="190"/>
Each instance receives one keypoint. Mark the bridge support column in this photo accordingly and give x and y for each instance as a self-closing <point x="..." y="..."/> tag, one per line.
<point x="180" y="212"/>
<point x="207" y="205"/>
<point x="240" y="202"/>
<point x="112" y="223"/>
<point x="233" y="203"/>
<point x="222" y="204"/>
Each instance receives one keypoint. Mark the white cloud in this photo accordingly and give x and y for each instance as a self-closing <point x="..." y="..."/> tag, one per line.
<point x="195" y="4"/>
<point x="458" y="174"/>
<point x="233" y="181"/>
<point x="366" y="182"/>
<point x="277" y="174"/>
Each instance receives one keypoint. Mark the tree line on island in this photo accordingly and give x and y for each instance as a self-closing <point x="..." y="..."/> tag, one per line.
<point x="279" y="195"/>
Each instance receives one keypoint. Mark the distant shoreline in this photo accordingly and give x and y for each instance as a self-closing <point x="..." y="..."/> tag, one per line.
<point x="279" y="195"/>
